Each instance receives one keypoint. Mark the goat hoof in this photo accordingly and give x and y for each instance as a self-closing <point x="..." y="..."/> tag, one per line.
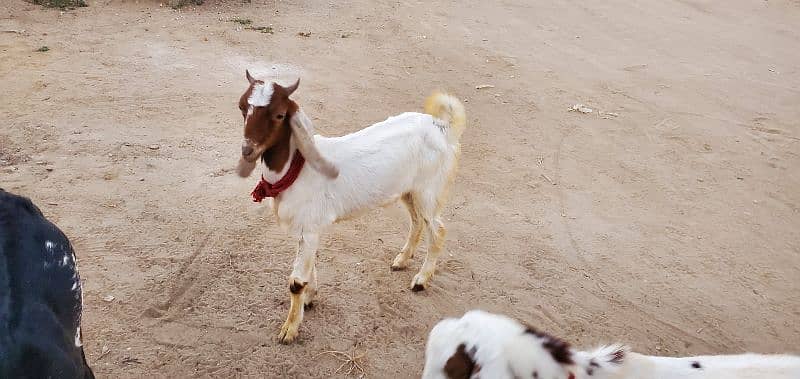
<point x="417" y="287"/>
<point x="308" y="297"/>
<point x="288" y="334"/>
<point x="400" y="262"/>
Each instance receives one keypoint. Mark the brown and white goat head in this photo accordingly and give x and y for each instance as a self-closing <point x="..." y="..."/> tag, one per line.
<point x="270" y="120"/>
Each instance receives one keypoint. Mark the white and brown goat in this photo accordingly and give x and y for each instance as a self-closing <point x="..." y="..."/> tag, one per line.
<point x="411" y="157"/>
<point x="486" y="345"/>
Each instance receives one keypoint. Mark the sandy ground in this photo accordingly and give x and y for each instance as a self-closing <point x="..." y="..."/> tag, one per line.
<point x="668" y="218"/>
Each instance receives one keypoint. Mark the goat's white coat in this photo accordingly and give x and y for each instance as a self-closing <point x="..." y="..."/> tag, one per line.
<point x="739" y="366"/>
<point x="498" y="342"/>
<point x="493" y="346"/>
<point x="261" y="94"/>
<point x="378" y="164"/>
<point x="259" y="97"/>
<point x="78" y="342"/>
<point x="503" y="351"/>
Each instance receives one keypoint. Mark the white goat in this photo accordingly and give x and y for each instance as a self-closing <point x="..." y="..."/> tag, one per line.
<point x="411" y="157"/>
<point x="481" y="344"/>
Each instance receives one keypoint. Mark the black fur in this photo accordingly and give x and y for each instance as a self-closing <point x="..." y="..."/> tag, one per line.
<point x="296" y="288"/>
<point x="39" y="311"/>
<point x="557" y="348"/>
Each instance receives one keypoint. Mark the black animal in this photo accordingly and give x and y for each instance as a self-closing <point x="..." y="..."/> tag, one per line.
<point x="40" y="296"/>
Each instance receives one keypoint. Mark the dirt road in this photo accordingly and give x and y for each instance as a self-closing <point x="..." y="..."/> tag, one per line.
<point x="668" y="217"/>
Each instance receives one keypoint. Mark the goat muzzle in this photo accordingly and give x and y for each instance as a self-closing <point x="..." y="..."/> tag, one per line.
<point x="247" y="162"/>
<point x="247" y="150"/>
<point x="244" y="168"/>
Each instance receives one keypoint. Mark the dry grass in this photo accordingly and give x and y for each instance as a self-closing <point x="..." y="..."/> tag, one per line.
<point x="60" y="3"/>
<point x="175" y="4"/>
<point x="353" y="363"/>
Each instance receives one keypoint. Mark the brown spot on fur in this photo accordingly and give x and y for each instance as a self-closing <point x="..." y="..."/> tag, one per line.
<point x="296" y="288"/>
<point x="276" y="157"/>
<point x="461" y="365"/>
<point x="696" y="365"/>
<point x="243" y="100"/>
<point x="557" y="348"/>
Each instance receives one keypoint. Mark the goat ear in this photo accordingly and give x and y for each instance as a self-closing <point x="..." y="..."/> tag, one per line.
<point x="290" y="89"/>
<point x="302" y="130"/>
<point x="249" y="77"/>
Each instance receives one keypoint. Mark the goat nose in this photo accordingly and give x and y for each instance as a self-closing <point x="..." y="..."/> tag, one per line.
<point x="247" y="150"/>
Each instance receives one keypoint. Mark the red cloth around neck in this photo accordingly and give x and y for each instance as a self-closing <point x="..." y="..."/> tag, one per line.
<point x="265" y="189"/>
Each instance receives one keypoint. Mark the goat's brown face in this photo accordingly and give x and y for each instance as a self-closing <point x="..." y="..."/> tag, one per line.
<point x="266" y="110"/>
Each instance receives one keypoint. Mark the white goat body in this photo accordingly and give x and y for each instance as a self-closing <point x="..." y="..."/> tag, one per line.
<point x="737" y="366"/>
<point x="407" y="153"/>
<point x="411" y="157"/>
<point x="495" y="346"/>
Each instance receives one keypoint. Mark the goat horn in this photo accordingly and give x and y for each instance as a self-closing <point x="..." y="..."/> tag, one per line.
<point x="302" y="129"/>
<point x="290" y="89"/>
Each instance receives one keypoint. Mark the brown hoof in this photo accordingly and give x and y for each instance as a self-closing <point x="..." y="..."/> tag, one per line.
<point x="287" y="338"/>
<point x="397" y="268"/>
<point x="308" y="306"/>
<point x="417" y="288"/>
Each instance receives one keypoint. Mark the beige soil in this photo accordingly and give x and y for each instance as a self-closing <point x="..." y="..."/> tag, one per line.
<point x="672" y="224"/>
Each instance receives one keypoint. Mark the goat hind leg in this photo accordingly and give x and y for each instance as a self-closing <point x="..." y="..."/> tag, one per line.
<point x="414" y="234"/>
<point x="301" y="276"/>
<point x="310" y="291"/>
<point x="436" y="233"/>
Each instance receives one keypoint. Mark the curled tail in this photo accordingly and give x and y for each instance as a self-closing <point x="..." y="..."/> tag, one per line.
<point x="450" y="110"/>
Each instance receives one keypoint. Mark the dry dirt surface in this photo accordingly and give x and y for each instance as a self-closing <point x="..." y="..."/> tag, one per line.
<point x="667" y="218"/>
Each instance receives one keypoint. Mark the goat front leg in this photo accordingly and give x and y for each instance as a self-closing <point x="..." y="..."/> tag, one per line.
<point x="302" y="274"/>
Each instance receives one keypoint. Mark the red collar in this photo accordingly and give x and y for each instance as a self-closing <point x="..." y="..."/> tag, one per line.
<point x="265" y="189"/>
<point x="571" y="376"/>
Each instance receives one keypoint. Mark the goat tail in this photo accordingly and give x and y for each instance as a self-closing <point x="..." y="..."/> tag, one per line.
<point x="609" y="359"/>
<point x="449" y="109"/>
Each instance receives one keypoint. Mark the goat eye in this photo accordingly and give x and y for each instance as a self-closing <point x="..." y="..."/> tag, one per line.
<point x="279" y="117"/>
